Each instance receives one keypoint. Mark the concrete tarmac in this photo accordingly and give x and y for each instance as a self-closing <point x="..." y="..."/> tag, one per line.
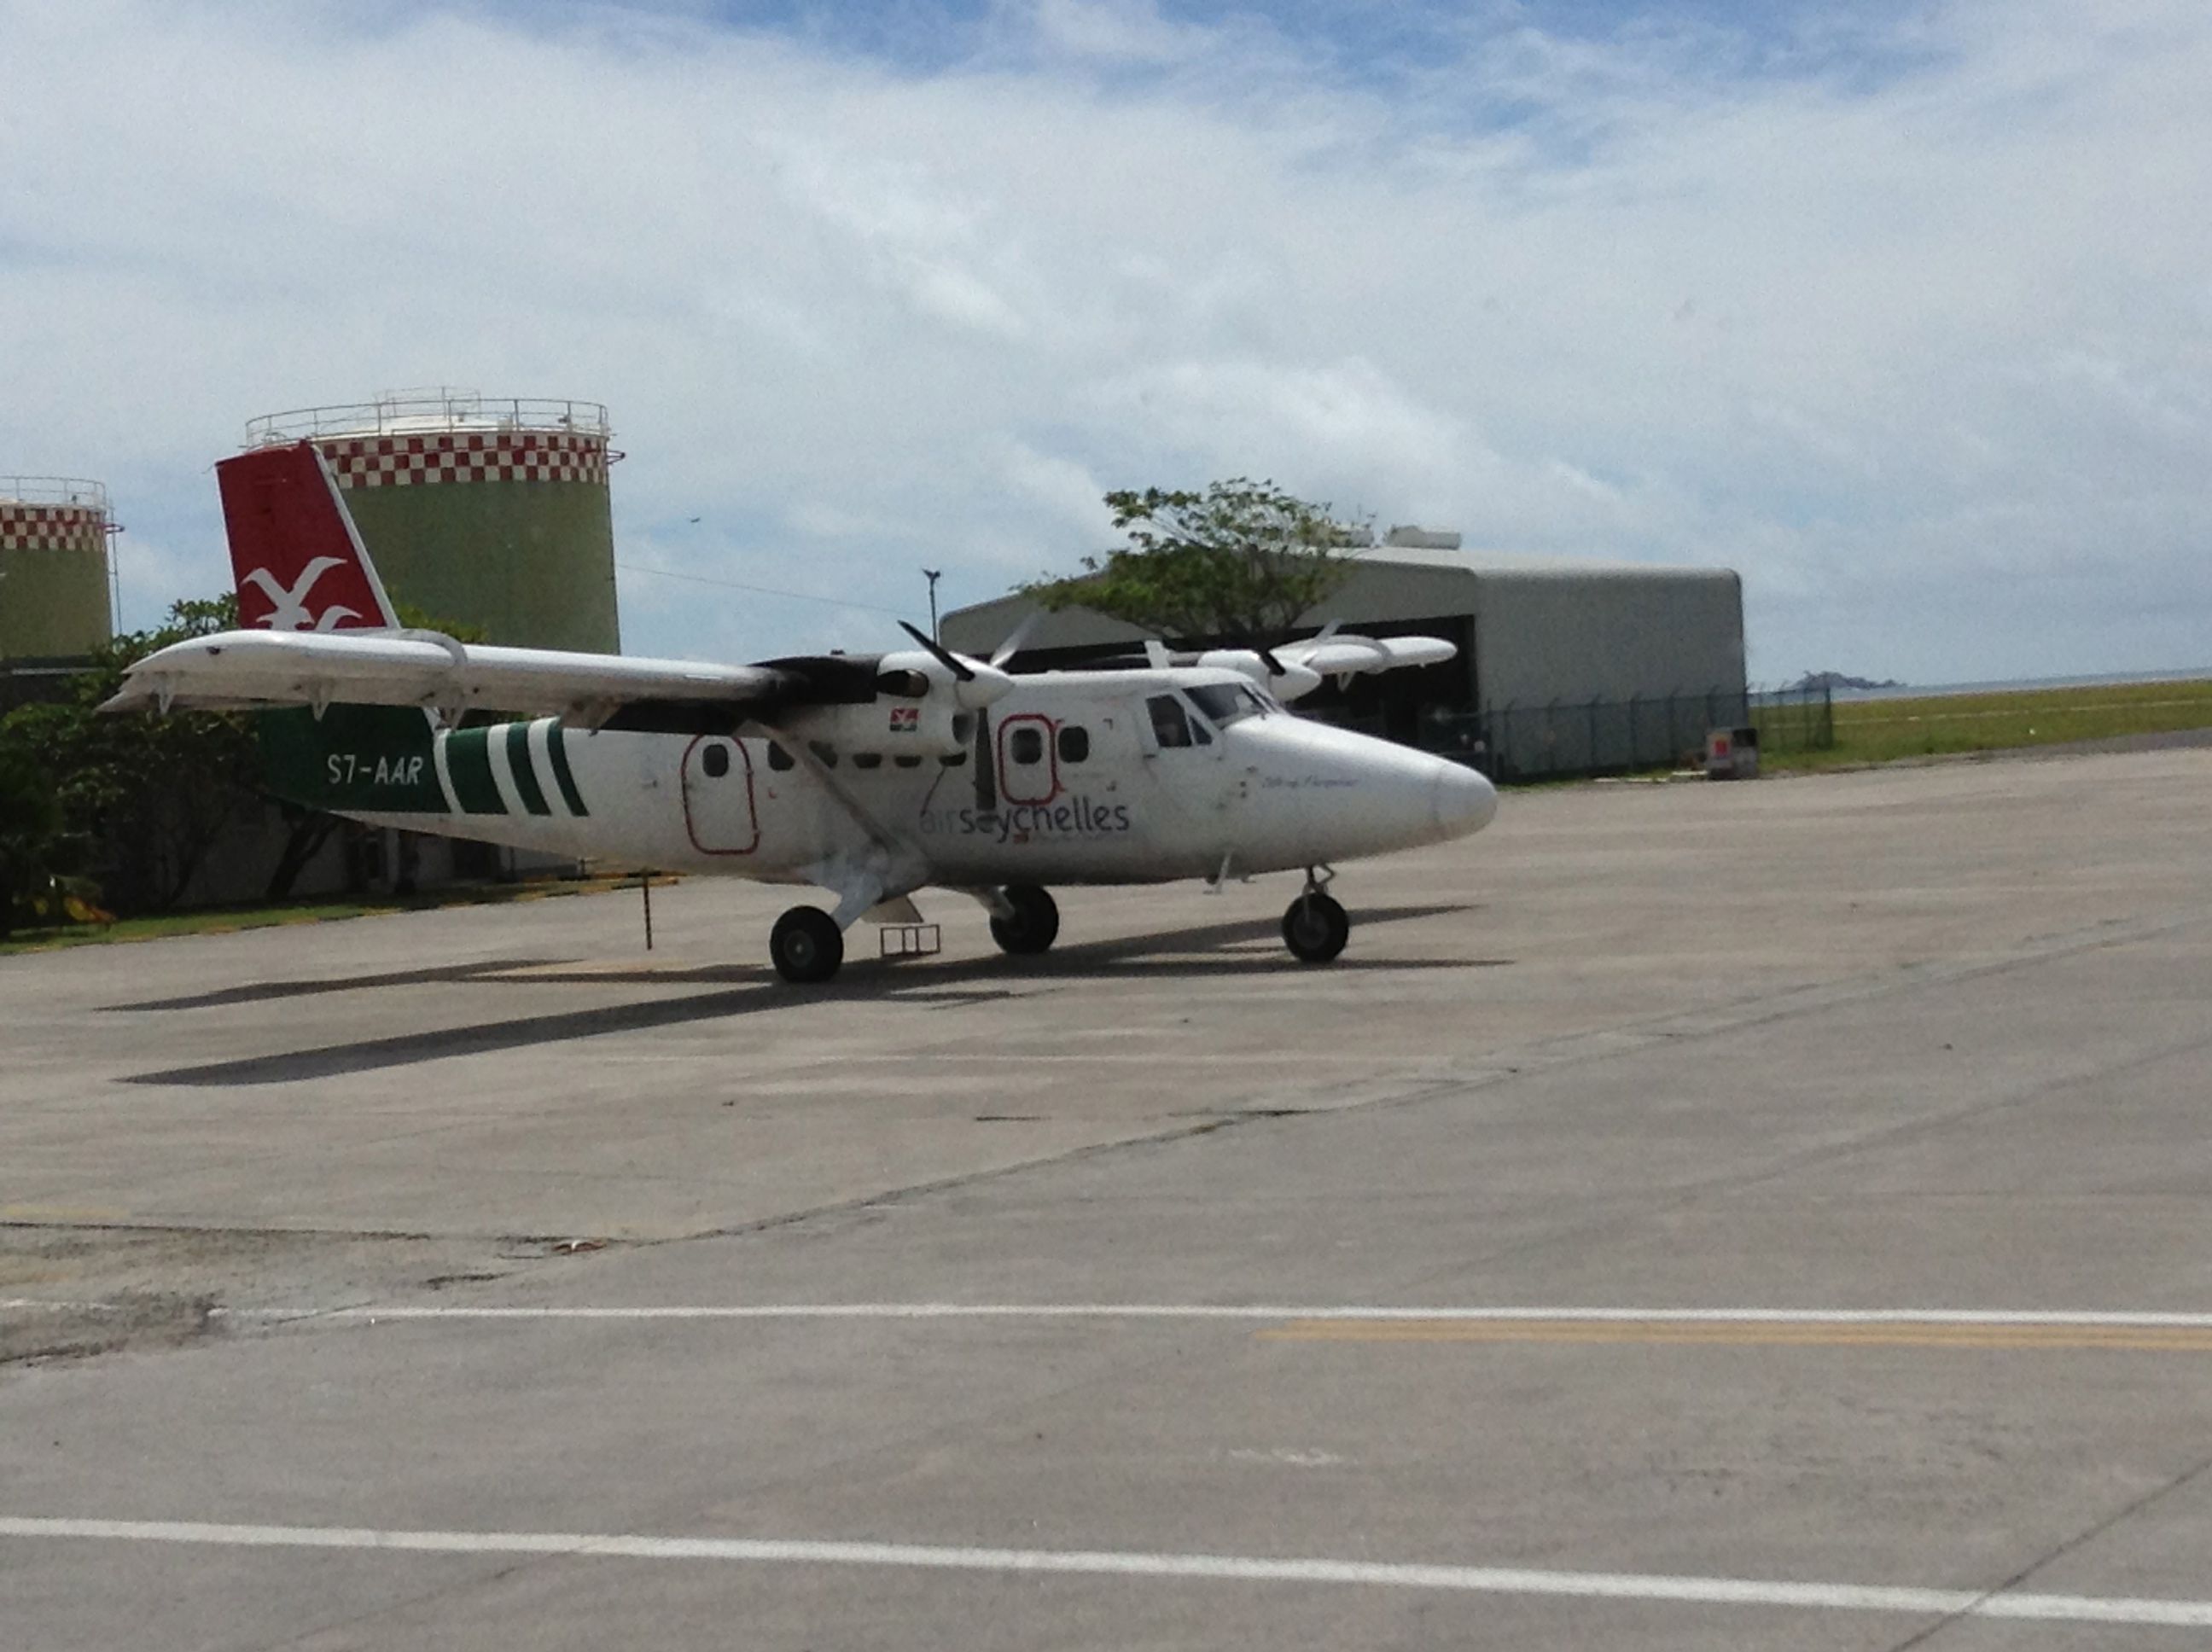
<point x="1688" y="1215"/>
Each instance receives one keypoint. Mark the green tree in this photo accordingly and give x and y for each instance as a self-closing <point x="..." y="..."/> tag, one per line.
<point x="30" y="829"/>
<point x="1237" y="563"/>
<point x="141" y="799"/>
<point x="136" y="802"/>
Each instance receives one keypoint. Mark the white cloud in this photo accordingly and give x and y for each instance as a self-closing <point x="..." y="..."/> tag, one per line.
<point x="1116" y="31"/>
<point x="1925" y="350"/>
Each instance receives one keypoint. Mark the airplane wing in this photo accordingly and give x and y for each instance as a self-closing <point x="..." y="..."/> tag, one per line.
<point x="236" y="669"/>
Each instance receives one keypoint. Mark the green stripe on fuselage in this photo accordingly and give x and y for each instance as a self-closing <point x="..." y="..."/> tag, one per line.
<point x="469" y="765"/>
<point x="525" y="778"/>
<point x="557" y="749"/>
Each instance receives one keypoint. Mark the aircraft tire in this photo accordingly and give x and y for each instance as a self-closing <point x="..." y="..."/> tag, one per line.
<point x="1034" y="925"/>
<point x="1316" y="928"/>
<point x="806" y="946"/>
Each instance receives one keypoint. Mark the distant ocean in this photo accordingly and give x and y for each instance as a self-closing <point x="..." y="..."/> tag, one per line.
<point x="1916" y="691"/>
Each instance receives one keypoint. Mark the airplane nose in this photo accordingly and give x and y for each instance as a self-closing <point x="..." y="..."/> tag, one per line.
<point x="1462" y="801"/>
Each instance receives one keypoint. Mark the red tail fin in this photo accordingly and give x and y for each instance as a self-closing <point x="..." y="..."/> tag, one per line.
<point x="298" y="562"/>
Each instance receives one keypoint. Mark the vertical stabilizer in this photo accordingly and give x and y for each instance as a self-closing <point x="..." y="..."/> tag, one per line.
<point x="298" y="560"/>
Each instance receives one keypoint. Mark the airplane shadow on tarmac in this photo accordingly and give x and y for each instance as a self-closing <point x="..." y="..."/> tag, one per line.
<point x="924" y="983"/>
<point x="260" y="990"/>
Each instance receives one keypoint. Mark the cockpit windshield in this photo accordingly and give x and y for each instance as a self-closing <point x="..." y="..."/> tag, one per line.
<point x="1226" y="702"/>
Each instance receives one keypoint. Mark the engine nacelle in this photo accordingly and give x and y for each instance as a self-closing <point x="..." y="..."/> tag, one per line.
<point x="891" y="725"/>
<point x="1286" y="685"/>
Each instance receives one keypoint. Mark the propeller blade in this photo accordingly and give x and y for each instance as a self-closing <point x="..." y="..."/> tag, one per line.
<point x="1275" y="667"/>
<point x="1020" y="635"/>
<point x="944" y="657"/>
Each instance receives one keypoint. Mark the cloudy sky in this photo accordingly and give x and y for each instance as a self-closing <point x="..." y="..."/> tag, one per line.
<point x="1903" y="310"/>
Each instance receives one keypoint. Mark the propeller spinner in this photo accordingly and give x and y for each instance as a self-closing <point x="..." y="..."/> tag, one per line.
<point x="975" y="684"/>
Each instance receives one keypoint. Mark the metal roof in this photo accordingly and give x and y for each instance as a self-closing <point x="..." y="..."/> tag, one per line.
<point x="1514" y="561"/>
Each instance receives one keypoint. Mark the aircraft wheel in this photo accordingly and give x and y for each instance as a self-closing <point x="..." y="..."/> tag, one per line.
<point x="1316" y="928"/>
<point x="806" y="946"/>
<point x="1034" y="925"/>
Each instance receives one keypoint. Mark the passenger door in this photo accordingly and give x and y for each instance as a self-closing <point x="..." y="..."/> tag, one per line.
<point x="718" y="811"/>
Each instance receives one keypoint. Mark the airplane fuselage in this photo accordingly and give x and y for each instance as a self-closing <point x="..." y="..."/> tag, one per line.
<point x="1103" y="777"/>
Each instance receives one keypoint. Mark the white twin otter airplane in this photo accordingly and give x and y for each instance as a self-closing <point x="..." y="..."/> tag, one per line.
<point x="870" y="776"/>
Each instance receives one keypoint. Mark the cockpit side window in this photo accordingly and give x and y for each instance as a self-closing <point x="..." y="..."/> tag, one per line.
<point x="1171" y="722"/>
<point x="1226" y="702"/>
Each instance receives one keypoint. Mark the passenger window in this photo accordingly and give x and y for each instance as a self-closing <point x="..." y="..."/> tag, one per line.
<point x="953" y="759"/>
<point x="778" y="758"/>
<point x="1170" y="723"/>
<point x="867" y="760"/>
<point x="907" y="762"/>
<point x="1074" y="743"/>
<point x="1025" y="745"/>
<point x="715" y="760"/>
<point x="825" y="752"/>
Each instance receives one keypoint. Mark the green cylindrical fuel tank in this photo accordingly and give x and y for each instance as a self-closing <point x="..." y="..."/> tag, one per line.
<point x="477" y="511"/>
<point x="53" y="568"/>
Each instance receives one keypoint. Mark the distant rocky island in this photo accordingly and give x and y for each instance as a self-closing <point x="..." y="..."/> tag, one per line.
<point x="1817" y="680"/>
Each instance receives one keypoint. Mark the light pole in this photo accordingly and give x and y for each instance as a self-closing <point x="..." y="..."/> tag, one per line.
<point x="932" y="574"/>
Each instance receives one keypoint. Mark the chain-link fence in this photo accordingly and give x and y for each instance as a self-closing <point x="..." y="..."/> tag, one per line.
<point x="1563" y="738"/>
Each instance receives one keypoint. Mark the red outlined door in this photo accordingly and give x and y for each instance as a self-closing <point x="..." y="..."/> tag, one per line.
<point x="718" y="796"/>
<point x="1029" y="767"/>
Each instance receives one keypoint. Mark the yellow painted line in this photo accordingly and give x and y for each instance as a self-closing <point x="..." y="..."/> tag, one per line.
<point x="1723" y="1334"/>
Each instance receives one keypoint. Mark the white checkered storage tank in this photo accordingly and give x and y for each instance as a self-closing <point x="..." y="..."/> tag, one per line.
<point x="479" y="511"/>
<point x="54" y="583"/>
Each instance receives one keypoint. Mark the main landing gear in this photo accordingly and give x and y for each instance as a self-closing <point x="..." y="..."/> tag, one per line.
<point x="806" y="946"/>
<point x="1316" y="927"/>
<point x="1025" y="920"/>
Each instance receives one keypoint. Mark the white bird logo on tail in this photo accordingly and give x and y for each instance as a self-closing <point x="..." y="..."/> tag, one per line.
<point x="290" y="613"/>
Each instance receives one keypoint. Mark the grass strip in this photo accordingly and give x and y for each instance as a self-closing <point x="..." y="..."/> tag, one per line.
<point x="1951" y="725"/>
<point x="225" y="921"/>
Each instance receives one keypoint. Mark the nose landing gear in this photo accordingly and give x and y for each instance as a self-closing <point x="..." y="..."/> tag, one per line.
<point x="1316" y="927"/>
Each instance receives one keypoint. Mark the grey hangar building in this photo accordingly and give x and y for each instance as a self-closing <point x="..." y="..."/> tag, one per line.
<point x="1566" y="666"/>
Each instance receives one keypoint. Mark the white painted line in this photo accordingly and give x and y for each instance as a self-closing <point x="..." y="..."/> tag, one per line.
<point x="502" y="773"/>
<point x="444" y="770"/>
<point x="539" y="742"/>
<point x="1210" y="1567"/>
<point x="948" y="1310"/>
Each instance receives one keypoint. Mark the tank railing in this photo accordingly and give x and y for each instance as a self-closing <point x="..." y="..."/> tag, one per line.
<point x="52" y="490"/>
<point x="410" y="415"/>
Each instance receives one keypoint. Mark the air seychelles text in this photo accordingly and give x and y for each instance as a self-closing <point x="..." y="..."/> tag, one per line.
<point x="1076" y="817"/>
